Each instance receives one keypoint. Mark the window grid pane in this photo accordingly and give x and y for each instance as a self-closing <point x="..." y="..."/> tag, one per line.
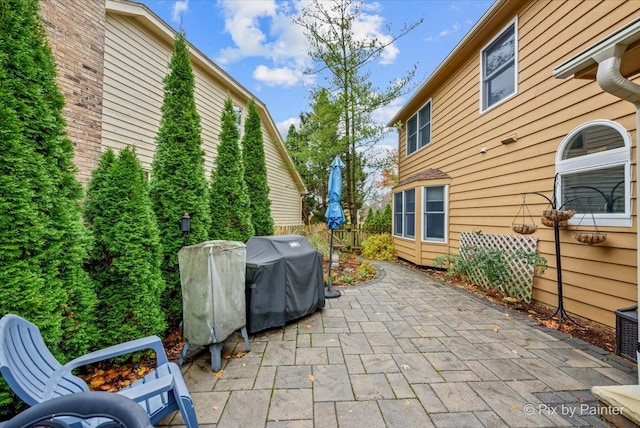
<point x="434" y="215"/>
<point x="412" y="134"/>
<point x="397" y="214"/>
<point x="409" y="213"/>
<point x="599" y="191"/>
<point x="498" y="71"/>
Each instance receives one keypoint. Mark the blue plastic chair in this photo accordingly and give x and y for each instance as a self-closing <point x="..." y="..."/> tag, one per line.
<point x="109" y="410"/>
<point x="36" y="376"/>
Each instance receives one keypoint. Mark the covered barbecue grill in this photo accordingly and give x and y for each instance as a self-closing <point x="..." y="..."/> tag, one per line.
<point x="212" y="278"/>
<point x="284" y="280"/>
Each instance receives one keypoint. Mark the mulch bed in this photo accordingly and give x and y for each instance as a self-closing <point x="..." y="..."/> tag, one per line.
<point x="587" y="330"/>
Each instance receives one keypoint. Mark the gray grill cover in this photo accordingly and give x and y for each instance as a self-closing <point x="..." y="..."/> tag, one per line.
<point x="212" y="277"/>
<point x="284" y="280"/>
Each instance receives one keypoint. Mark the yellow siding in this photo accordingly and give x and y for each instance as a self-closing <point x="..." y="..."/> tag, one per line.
<point x="136" y="62"/>
<point x="485" y="188"/>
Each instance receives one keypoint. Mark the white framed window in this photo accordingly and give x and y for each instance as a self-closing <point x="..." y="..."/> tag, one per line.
<point x="499" y="68"/>
<point x="404" y="214"/>
<point x="419" y="129"/>
<point x="593" y="167"/>
<point x="434" y="224"/>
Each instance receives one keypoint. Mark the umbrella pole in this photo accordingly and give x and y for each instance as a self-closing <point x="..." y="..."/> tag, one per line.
<point x="330" y="293"/>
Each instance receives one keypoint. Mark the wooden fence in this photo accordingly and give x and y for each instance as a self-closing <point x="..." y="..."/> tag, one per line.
<point x="347" y="237"/>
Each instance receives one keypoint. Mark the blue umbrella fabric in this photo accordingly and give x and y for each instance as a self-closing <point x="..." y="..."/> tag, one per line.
<point x="334" y="213"/>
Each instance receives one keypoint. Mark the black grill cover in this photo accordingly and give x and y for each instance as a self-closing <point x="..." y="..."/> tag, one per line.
<point x="284" y="280"/>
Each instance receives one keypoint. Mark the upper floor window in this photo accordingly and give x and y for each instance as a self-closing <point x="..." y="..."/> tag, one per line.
<point x="435" y="214"/>
<point x="404" y="213"/>
<point x="593" y="166"/>
<point x="419" y="129"/>
<point x="499" y="68"/>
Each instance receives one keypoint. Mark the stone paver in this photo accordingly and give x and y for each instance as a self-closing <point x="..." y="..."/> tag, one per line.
<point x="404" y="351"/>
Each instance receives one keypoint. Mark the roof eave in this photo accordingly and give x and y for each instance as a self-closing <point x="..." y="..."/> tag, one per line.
<point x="626" y="36"/>
<point x="460" y="48"/>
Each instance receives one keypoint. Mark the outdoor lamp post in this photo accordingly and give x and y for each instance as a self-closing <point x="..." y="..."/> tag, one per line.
<point x="185" y="227"/>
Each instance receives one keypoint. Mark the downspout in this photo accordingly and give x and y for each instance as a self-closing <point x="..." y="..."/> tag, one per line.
<point x="610" y="80"/>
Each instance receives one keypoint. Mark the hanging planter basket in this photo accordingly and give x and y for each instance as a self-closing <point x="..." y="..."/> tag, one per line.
<point x="590" y="238"/>
<point x="549" y="223"/>
<point x="524" y="229"/>
<point x="558" y="215"/>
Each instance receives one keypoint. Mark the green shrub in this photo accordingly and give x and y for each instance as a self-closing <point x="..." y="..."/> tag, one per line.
<point x="457" y="267"/>
<point x="125" y="261"/>
<point x="480" y="264"/>
<point x="379" y="247"/>
<point x="365" y="271"/>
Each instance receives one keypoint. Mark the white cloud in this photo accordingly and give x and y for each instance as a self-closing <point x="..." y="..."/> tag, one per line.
<point x="384" y="114"/>
<point x="279" y="76"/>
<point x="261" y="28"/>
<point x="179" y="7"/>
<point x="283" y="127"/>
<point x="454" y="29"/>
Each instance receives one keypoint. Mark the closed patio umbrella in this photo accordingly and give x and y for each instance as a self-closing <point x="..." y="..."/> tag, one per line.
<point x="334" y="214"/>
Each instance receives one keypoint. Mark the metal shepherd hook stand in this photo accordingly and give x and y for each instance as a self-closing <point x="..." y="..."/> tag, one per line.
<point x="334" y="215"/>
<point x="560" y="311"/>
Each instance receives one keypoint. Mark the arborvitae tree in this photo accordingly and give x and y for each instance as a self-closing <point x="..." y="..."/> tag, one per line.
<point x="376" y="223"/>
<point x="178" y="182"/>
<point x="230" y="215"/>
<point x="368" y="219"/>
<point x="387" y="218"/>
<point x="254" y="161"/>
<point x="22" y="234"/>
<point x="30" y="87"/>
<point x="125" y="263"/>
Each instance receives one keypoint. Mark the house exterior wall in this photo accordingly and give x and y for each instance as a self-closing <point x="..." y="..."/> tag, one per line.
<point x="485" y="189"/>
<point x="75" y="32"/>
<point x="111" y="58"/>
<point x="136" y="62"/>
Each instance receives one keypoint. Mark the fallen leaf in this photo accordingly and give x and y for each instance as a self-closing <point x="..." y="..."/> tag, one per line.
<point x="308" y="326"/>
<point x="496" y="329"/>
<point x="96" y="382"/>
<point x="219" y="373"/>
<point x="226" y="356"/>
<point x="240" y="354"/>
<point x="215" y="408"/>
<point x="514" y="407"/>
<point x="311" y="377"/>
<point x="404" y="367"/>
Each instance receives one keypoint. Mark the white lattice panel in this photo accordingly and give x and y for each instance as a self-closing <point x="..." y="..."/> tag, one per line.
<point x="519" y="283"/>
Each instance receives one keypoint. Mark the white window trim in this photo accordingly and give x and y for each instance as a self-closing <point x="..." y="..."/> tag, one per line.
<point x="514" y="22"/>
<point x="609" y="158"/>
<point x="417" y="116"/>
<point x="446" y="215"/>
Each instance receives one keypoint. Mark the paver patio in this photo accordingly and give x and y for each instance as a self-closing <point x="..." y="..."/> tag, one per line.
<point x="405" y="351"/>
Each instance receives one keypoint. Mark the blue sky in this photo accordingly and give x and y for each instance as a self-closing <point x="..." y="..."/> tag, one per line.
<point x="256" y="43"/>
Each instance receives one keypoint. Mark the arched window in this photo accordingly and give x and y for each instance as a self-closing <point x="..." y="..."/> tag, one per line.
<point x="593" y="166"/>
